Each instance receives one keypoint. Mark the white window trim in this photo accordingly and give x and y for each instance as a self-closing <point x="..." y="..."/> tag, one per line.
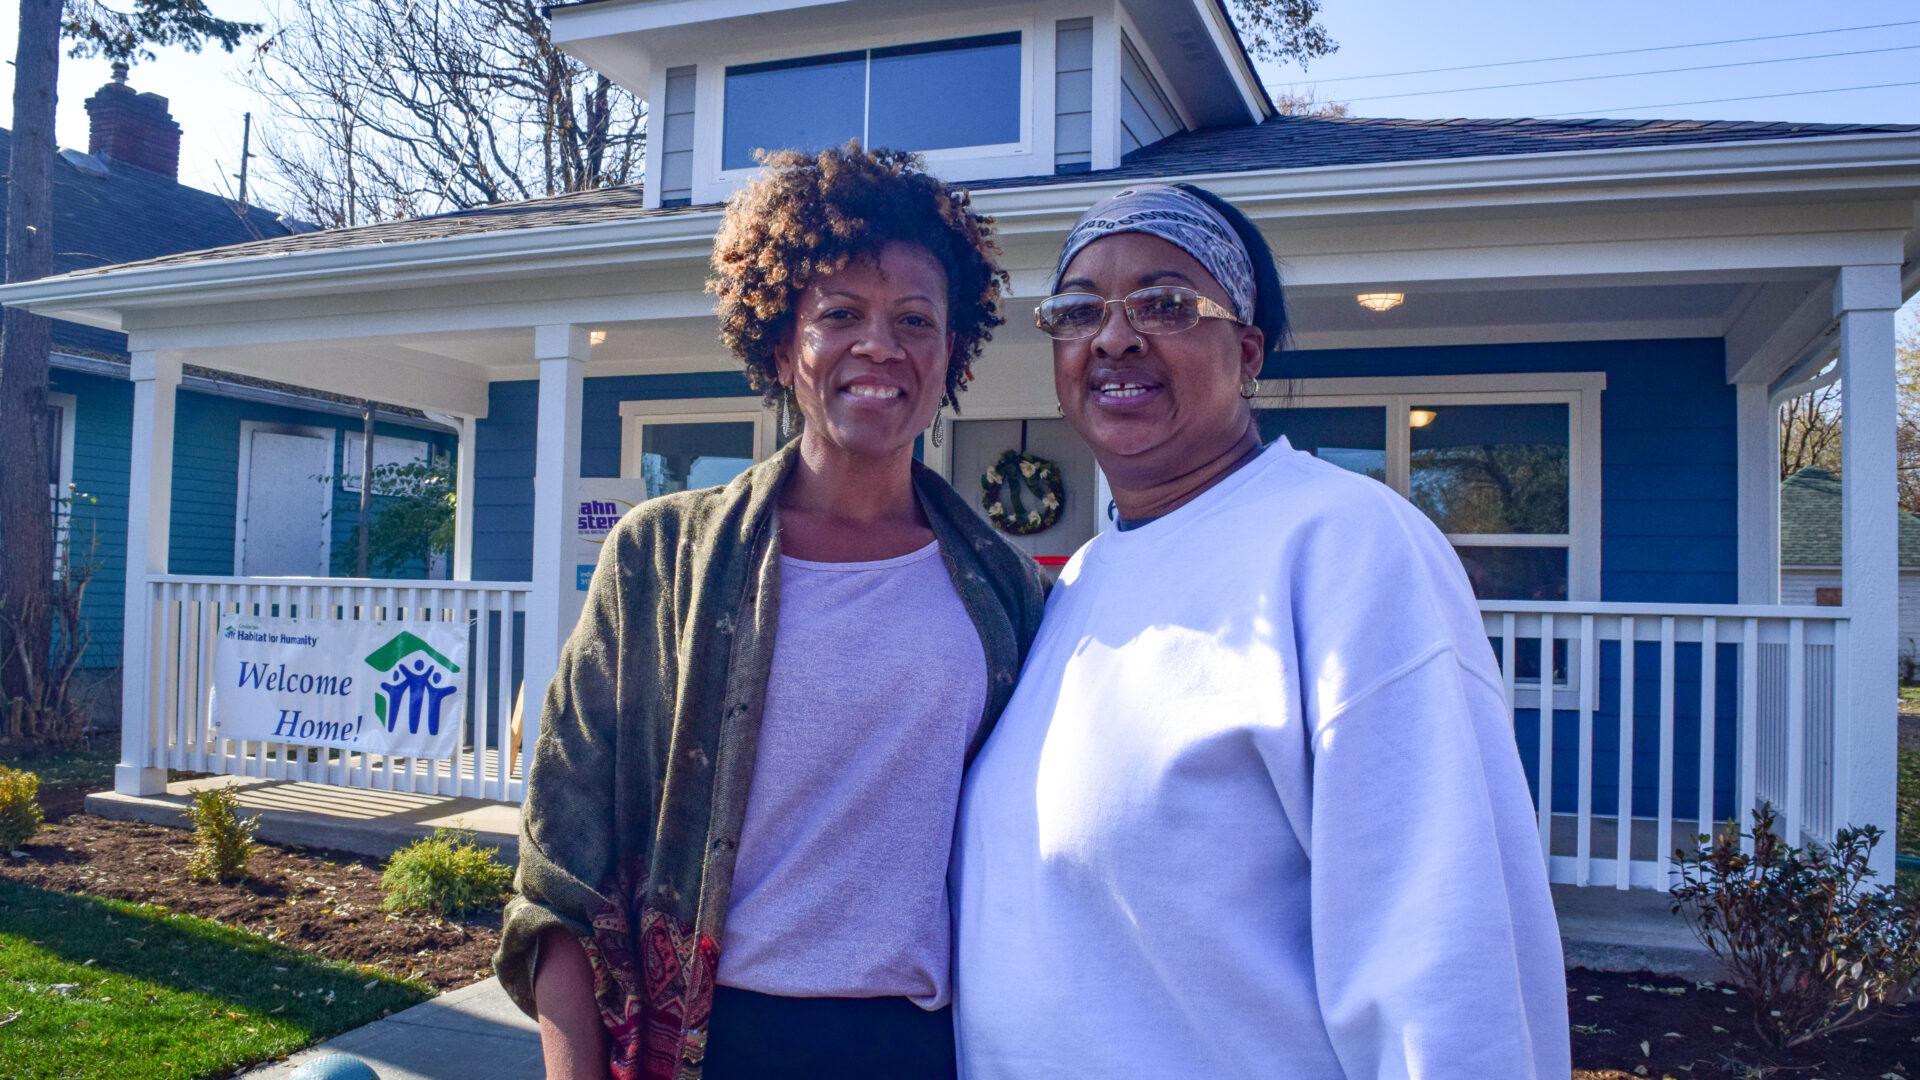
<point x="63" y="488"/>
<point x="710" y="93"/>
<point x="247" y="428"/>
<point x="636" y="415"/>
<point x="1579" y="391"/>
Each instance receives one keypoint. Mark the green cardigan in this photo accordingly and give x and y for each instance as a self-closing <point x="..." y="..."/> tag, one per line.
<point x="638" y="787"/>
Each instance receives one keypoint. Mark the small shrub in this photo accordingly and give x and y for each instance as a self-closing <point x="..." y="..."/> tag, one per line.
<point x="1814" y="946"/>
<point x="19" y="807"/>
<point x="222" y="839"/>
<point x="446" y="873"/>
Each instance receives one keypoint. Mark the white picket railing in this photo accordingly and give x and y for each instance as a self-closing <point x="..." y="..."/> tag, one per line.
<point x="185" y="617"/>
<point x="1779" y="667"/>
<point x="1784" y="707"/>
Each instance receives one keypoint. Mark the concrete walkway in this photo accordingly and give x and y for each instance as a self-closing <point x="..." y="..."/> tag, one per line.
<point x="473" y="1033"/>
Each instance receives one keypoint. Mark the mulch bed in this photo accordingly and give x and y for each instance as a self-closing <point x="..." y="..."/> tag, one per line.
<point x="1627" y="1026"/>
<point x="322" y="902"/>
<point x="328" y="903"/>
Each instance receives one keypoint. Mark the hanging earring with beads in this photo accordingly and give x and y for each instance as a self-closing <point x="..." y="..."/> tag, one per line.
<point x="937" y="418"/>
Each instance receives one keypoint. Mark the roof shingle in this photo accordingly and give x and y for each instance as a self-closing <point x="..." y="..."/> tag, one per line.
<point x="1810" y="522"/>
<point x="1282" y="142"/>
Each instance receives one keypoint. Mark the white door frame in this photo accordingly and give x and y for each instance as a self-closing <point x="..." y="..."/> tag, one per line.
<point x="247" y="428"/>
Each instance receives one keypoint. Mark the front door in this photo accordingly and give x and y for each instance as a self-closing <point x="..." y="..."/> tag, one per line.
<point x="284" y="503"/>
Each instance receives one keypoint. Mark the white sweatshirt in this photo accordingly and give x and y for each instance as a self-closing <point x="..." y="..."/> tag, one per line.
<point x="1256" y="811"/>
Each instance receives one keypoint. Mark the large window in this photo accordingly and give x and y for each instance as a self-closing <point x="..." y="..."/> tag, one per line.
<point x="1501" y="474"/>
<point x="931" y="96"/>
<point x="1495" y="478"/>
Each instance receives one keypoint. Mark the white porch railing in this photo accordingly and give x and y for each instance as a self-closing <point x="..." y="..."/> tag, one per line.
<point x="1763" y="703"/>
<point x="185" y="617"/>
<point x="1759" y="712"/>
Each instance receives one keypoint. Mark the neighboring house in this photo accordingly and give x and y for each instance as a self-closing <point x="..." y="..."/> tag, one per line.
<point x="1564" y="339"/>
<point x="1810" y="535"/>
<point x="247" y="452"/>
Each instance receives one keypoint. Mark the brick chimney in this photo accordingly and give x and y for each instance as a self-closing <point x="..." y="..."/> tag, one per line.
<point x="131" y="128"/>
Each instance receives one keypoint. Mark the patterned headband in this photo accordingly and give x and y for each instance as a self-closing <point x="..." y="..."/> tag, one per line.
<point x="1182" y="219"/>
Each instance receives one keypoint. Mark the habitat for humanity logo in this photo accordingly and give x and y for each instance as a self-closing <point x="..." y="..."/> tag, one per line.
<point x="415" y="670"/>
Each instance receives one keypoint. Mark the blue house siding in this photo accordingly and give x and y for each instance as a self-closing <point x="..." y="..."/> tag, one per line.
<point x="206" y="478"/>
<point x="102" y="435"/>
<point x="1668" y="456"/>
<point x="205" y="487"/>
<point x="504" y="455"/>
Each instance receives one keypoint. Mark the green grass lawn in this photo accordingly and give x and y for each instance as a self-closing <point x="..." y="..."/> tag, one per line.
<point x="89" y="765"/>
<point x="99" y="988"/>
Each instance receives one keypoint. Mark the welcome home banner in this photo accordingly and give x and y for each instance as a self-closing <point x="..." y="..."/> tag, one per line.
<point x="386" y="688"/>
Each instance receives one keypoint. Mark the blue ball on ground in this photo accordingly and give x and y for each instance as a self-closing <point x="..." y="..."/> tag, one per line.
<point x="335" y="1067"/>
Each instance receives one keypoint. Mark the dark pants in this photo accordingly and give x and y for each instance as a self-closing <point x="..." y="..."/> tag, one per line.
<point x="761" y="1037"/>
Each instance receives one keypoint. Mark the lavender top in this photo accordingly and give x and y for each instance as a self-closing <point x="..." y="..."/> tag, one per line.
<point x="878" y="683"/>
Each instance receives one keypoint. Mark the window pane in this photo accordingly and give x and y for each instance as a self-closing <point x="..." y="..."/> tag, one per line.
<point x="1516" y="573"/>
<point x="680" y="457"/>
<point x="806" y="104"/>
<point x="964" y="92"/>
<point x="1353" y="438"/>
<point x="1491" y="468"/>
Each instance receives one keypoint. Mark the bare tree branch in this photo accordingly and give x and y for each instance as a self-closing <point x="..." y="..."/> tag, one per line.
<point x="385" y="110"/>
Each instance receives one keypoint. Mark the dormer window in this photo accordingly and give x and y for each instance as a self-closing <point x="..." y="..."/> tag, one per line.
<point x="938" y="95"/>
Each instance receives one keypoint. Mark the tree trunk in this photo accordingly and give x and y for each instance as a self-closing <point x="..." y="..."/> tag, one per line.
<point x="26" y="517"/>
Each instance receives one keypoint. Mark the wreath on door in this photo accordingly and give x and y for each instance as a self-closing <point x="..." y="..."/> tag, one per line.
<point x="1022" y="493"/>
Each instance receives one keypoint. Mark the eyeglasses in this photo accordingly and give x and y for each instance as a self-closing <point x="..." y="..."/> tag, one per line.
<point x="1159" y="309"/>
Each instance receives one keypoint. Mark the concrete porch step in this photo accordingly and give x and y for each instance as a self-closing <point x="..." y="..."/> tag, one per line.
<point x="364" y="822"/>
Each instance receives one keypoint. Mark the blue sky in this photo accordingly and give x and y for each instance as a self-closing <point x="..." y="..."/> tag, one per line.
<point x="1881" y="40"/>
<point x="1383" y="36"/>
<point x="1376" y="36"/>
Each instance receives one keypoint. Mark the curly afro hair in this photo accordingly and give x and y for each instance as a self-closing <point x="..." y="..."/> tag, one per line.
<point x="810" y="215"/>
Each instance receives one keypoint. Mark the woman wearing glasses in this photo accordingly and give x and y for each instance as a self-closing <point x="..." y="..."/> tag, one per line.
<point x="1255" y="809"/>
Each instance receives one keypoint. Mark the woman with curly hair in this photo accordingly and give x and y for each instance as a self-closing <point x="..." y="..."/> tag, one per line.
<point x="733" y="854"/>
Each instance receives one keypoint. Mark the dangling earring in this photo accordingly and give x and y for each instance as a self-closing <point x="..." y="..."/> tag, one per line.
<point x="937" y="417"/>
<point x="786" y="414"/>
<point x="1249" y="388"/>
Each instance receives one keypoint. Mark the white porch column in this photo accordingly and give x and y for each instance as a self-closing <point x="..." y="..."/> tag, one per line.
<point x="562" y="352"/>
<point x="1864" y="301"/>
<point x="156" y="378"/>
<point x="463" y="500"/>
<point x="1757" y="493"/>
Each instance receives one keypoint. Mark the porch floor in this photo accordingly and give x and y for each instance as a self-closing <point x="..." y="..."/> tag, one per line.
<point x="1603" y="929"/>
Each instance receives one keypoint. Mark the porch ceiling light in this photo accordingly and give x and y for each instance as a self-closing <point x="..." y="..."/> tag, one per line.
<point x="596" y="337"/>
<point x="1421" y="417"/>
<point x="1381" y="301"/>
